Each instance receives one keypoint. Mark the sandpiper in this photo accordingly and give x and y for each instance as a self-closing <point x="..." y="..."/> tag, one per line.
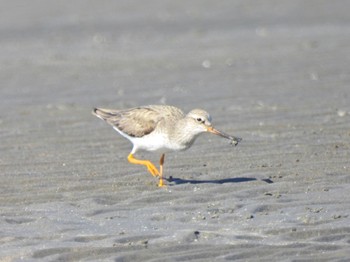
<point x="159" y="128"/>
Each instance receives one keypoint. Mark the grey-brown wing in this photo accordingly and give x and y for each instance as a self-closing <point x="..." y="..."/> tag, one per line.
<point x="135" y="122"/>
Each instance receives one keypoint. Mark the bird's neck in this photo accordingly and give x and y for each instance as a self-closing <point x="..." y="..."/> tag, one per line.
<point x="184" y="134"/>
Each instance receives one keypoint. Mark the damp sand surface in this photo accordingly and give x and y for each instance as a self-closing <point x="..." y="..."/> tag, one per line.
<point x="274" y="73"/>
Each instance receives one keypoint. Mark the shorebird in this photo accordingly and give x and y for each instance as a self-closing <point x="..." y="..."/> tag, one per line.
<point x="159" y="128"/>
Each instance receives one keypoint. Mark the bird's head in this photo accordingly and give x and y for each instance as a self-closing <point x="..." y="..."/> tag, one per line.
<point x="201" y="122"/>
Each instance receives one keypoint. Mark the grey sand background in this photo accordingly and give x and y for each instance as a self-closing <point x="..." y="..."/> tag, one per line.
<point x="273" y="72"/>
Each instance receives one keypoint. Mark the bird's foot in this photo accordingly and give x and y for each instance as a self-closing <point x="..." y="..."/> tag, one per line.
<point x="152" y="169"/>
<point x="161" y="182"/>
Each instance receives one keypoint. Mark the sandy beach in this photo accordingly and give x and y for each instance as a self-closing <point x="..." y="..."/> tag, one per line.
<point x="275" y="73"/>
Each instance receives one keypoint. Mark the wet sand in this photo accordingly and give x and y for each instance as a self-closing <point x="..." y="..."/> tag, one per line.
<point x="274" y="72"/>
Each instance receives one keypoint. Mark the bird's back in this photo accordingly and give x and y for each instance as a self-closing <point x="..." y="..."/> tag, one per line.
<point x="139" y="121"/>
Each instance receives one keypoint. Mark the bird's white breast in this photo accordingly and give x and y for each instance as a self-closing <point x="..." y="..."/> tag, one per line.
<point x="151" y="142"/>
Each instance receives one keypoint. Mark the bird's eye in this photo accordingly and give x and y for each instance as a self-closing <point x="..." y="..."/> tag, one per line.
<point x="200" y="119"/>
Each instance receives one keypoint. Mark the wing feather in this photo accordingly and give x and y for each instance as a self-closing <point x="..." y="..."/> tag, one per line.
<point x="135" y="122"/>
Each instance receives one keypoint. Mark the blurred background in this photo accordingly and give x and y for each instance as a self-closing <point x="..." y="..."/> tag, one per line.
<point x="126" y="53"/>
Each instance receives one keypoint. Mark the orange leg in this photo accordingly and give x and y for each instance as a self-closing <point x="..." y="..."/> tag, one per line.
<point x="161" y="162"/>
<point x="151" y="168"/>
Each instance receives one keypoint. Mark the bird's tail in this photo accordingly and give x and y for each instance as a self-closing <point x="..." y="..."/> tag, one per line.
<point x="104" y="114"/>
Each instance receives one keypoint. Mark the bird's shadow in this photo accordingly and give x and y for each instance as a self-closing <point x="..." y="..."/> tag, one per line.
<point x="179" y="181"/>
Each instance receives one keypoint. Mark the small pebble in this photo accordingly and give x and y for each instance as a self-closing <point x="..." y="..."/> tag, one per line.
<point x="341" y="113"/>
<point x="206" y="64"/>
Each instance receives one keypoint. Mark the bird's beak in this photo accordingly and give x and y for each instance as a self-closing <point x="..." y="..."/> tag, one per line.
<point x="234" y="140"/>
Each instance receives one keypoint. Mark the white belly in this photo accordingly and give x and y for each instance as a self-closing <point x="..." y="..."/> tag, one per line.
<point x="152" y="142"/>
